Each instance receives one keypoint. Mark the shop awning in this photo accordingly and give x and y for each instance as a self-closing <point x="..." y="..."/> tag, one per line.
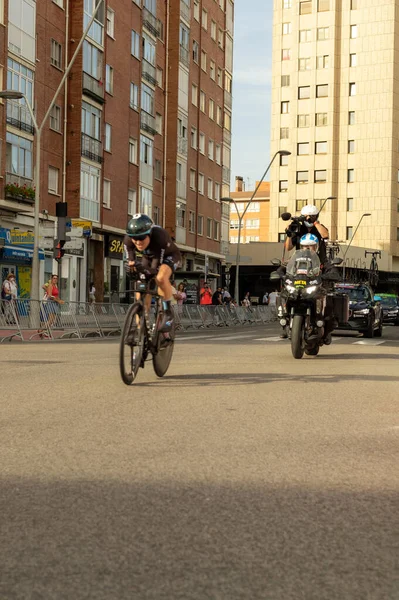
<point x="10" y="251"/>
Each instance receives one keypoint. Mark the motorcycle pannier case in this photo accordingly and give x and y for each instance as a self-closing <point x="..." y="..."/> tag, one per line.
<point x="341" y="307"/>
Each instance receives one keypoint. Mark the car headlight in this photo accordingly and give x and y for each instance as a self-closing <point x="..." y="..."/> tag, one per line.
<point x="364" y="311"/>
<point x="311" y="289"/>
<point x="290" y="288"/>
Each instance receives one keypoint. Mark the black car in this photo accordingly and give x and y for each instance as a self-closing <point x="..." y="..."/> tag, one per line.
<point x="365" y="312"/>
<point x="390" y="308"/>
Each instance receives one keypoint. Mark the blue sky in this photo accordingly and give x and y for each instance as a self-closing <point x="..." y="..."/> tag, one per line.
<point x="251" y="89"/>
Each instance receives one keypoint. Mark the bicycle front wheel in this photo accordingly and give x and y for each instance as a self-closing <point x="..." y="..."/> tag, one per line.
<point x="164" y="351"/>
<point x="132" y="344"/>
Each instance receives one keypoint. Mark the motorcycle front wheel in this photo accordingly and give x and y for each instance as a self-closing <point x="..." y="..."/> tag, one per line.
<point x="298" y="336"/>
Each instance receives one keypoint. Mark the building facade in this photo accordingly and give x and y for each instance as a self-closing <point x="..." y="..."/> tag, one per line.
<point x="255" y="224"/>
<point x="334" y="107"/>
<point x="142" y="124"/>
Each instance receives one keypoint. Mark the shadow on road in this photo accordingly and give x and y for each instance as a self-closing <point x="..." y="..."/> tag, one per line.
<point x="358" y="356"/>
<point x="167" y="541"/>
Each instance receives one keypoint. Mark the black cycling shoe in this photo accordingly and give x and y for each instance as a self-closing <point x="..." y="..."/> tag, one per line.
<point x="283" y="335"/>
<point x="166" y="323"/>
<point x="327" y="339"/>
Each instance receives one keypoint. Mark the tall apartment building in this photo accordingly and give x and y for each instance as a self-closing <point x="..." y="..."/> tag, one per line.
<point x="143" y="124"/>
<point x="255" y="224"/>
<point x="335" y="103"/>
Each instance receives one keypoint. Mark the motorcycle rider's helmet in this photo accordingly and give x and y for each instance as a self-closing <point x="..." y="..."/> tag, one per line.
<point x="310" y="212"/>
<point x="309" y="242"/>
<point x="139" y="226"/>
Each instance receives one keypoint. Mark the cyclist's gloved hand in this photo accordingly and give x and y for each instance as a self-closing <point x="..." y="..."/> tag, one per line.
<point x="146" y="271"/>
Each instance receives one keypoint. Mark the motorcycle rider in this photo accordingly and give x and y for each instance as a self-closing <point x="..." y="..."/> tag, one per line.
<point x="151" y="247"/>
<point x="311" y="225"/>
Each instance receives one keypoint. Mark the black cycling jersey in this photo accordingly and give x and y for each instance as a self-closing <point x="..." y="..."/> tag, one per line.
<point x="322" y="252"/>
<point x="161" y="250"/>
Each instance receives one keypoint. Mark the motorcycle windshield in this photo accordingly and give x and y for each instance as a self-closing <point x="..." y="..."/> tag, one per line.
<point x="305" y="263"/>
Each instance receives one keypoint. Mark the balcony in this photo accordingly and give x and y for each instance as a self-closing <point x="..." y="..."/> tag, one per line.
<point x="19" y="188"/>
<point x="151" y="23"/>
<point x="18" y="116"/>
<point x="146" y="174"/>
<point x="148" y="72"/>
<point x="226" y="137"/>
<point x="180" y="234"/>
<point x="92" y="148"/>
<point x="181" y="189"/>
<point x="184" y="56"/>
<point x="93" y="87"/>
<point x="225" y="210"/>
<point x="228" y="100"/>
<point x="148" y="123"/>
<point x="96" y="31"/>
<point x="226" y="175"/>
<point x="182" y="145"/>
<point x="185" y="12"/>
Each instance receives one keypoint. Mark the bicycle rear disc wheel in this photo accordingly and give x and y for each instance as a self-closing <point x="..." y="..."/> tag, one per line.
<point x="132" y="344"/>
<point x="162" y="357"/>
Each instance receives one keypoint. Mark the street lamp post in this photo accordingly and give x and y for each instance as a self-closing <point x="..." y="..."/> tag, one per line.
<point x="15" y="95"/>
<point x="348" y="246"/>
<point x="241" y="217"/>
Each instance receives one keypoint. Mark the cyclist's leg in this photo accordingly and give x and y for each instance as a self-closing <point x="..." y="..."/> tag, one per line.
<point x="165" y="287"/>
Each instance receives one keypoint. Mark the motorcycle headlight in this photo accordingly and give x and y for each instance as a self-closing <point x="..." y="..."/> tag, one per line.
<point x="290" y="288"/>
<point x="311" y="289"/>
<point x="364" y="311"/>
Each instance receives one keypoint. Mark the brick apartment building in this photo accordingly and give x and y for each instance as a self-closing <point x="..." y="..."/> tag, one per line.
<point x="143" y="124"/>
<point x="255" y="224"/>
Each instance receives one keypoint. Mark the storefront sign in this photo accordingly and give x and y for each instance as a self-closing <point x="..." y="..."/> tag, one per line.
<point x="21" y="237"/>
<point x="114" y="247"/>
<point x="86" y="226"/>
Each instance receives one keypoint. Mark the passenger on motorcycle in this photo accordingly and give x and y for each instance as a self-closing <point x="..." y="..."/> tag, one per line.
<point x="151" y="247"/>
<point x="311" y="225"/>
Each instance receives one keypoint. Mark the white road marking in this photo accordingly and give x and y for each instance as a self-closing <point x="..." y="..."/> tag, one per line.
<point x="270" y="339"/>
<point x="195" y="337"/>
<point x="232" y="337"/>
<point x="370" y="342"/>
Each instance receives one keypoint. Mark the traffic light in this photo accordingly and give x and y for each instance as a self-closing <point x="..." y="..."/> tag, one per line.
<point x="58" y="250"/>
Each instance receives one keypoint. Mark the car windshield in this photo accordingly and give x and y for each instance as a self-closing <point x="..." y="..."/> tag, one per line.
<point x="304" y="262"/>
<point x="355" y="294"/>
<point x="389" y="302"/>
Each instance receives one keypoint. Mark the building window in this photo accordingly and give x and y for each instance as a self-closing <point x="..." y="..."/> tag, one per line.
<point x="304" y="92"/>
<point x="147" y="99"/>
<point x="213" y="30"/>
<point x="93" y="61"/>
<point x="160" y="77"/>
<point x="285" y="80"/>
<point x="320" y="176"/>
<point x="286" y="54"/>
<point x="19" y="156"/>
<point x="285" y="107"/>
<point x="302" y="176"/>
<point x="287" y="28"/>
<point x="212" y="70"/>
<point x="56" y="54"/>
<point x="283" y="160"/>
<point x="320" y="148"/>
<point x="349" y="204"/>
<point x="195" y="51"/>
<point x="159" y="123"/>
<point x="304" y="64"/>
<point x="202" y="101"/>
<point x="220" y="77"/>
<point x="284" y="133"/>
<point x="191" y="221"/>
<point x="192" y="179"/>
<point x="322" y="33"/>
<point x="281" y="238"/>
<point x="219" y="114"/>
<point x="59" y="3"/>
<point x="146" y="150"/>
<point x="91" y="121"/>
<point x="287" y="3"/>
<point x="353" y="32"/>
<point x="108" y="137"/>
<point x="106" y="193"/>
<point x="303" y="120"/>
<point x="209" y="228"/>
<point x="218" y="154"/>
<point x="200" y="225"/>
<point x="283" y="185"/>
<point x="55" y="118"/>
<point x="351" y="117"/>
<point x="135" y="45"/>
<point x="211" y="109"/>
<point x="282" y="210"/>
<point x="349" y="233"/>
<point x="109" y="79"/>
<point x="305" y="35"/>
<point x="110" y="22"/>
<point x="201" y="183"/>
<point x="216" y="226"/>
<point x="203" y="60"/>
<point x="322" y="62"/>
<point x="227" y="120"/>
<point x="134" y="96"/>
<point x="352" y="89"/>
<point x="323" y="5"/>
<point x="210" y="189"/>
<point x="305" y="7"/>
<point x="204" y="20"/>
<point x="202" y="143"/>
<point x="252" y="224"/>
<point x="303" y="148"/>
<point x="351" y="175"/>
<point x="321" y="119"/>
<point x="20" y="79"/>
<point x="353" y="60"/>
<point x="193" y="138"/>
<point x="211" y="149"/>
<point x="322" y="91"/>
<point x="133" y="151"/>
<point x="194" y="94"/>
<point x="234" y="224"/>
<point x="180" y="214"/>
<point x="89" y="192"/>
<point x="131" y="202"/>
<point x="196" y="10"/>
<point x="221" y="38"/>
<point x="217" y="191"/>
<point x="158" y="170"/>
<point x="53" y="175"/>
<point x="351" y="146"/>
<point x="145" y="200"/>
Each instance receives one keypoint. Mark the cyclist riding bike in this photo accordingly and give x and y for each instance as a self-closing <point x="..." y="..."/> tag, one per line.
<point x="150" y="248"/>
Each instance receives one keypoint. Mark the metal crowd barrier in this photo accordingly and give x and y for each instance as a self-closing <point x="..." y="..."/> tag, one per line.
<point x="26" y="320"/>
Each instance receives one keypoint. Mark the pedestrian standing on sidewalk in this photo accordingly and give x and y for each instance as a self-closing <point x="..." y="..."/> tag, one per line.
<point x="205" y="295"/>
<point x="92" y="293"/>
<point x="51" y="303"/>
<point x="9" y="292"/>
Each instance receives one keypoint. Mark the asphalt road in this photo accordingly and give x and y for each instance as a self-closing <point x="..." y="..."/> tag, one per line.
<point x="243" y="474"/>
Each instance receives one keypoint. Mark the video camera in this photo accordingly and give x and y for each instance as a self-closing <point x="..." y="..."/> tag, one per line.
<point x="295" y="225"/>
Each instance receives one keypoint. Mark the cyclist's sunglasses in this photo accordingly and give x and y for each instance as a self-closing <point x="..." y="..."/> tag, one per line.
<point x="139" y="238"/>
